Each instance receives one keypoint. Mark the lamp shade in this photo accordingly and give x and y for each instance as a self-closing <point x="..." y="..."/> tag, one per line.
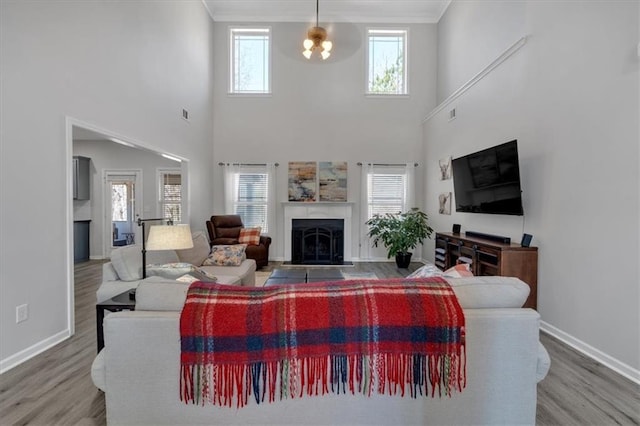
<point x="169" y="237"/>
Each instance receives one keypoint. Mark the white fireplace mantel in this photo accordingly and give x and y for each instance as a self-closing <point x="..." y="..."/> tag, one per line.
<point x="317" y="210"/>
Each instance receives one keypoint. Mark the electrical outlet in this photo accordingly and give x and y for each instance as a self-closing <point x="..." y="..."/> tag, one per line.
<point x="22" y="313"/>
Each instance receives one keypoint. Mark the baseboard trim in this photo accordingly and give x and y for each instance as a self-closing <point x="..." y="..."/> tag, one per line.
<point x="596" y="354"/>
<point x="28" y="353"/>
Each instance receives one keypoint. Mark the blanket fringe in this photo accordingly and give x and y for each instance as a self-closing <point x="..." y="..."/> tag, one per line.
<point x="392" y="374"/>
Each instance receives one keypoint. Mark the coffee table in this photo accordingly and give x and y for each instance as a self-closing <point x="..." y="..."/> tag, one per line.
<point x="120" y="302"/>
<point x="308" y="275"/>
<point x="287" y="276"/>
<point x="323" y="274"/>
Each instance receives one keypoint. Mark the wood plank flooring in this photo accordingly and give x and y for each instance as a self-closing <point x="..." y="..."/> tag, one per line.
<point x="55" y="388"/>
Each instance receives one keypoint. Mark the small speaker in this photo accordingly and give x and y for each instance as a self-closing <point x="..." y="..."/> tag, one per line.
<point x="526" y="240"/>
<point x="456" y="228"/>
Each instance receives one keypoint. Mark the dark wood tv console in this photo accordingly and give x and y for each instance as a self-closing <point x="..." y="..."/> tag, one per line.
<point x="487" y="257"/>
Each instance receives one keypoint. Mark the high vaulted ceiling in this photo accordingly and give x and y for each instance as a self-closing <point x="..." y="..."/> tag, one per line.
<point x="373" y="11"/>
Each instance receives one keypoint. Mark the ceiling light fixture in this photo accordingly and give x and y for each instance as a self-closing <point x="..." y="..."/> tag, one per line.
<point x="317" y="39"/>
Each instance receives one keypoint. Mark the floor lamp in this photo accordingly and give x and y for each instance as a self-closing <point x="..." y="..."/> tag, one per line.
<point x="164" y="237"/>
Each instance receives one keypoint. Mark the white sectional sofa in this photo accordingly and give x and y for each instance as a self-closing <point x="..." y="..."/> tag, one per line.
<point x="140" y="366"/>
<point x="124" y="272"/>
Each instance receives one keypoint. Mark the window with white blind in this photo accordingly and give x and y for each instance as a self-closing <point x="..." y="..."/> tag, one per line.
<point x="250" y="199"/>
<point x="250" y="60"/>
<point x="170" y="194"/>
<point x="387" y="191"/>
<point x="387" y="62"/>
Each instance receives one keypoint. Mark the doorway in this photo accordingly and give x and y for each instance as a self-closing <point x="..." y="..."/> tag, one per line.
<point x="102" y="217"/>
<point x="121" y="205"/>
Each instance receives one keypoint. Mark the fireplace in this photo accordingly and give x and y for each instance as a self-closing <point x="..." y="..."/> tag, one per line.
<point x="319" y="211"/>
<point x="317" y="241"/>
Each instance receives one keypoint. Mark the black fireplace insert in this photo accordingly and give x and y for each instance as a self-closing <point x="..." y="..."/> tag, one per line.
<point x="317" y="241"/>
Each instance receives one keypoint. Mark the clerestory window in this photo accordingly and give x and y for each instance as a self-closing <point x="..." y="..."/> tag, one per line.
<point x="250" y="60"/>
<point x="387" y="62"/>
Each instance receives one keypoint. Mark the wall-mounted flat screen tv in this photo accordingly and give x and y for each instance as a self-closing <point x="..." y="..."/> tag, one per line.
<point x="488" y="181"/>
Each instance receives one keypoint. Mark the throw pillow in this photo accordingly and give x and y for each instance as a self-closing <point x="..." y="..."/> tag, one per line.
<point x="226" y="255"/>
<point x="250" y="236"/>
<point x="175" y="270"/>
<point x="197" y="276"/>
<point x="428" y="270"/>
<point x="169" y="270"/>
<point x="186" y="278"/>
<point x="459" y="271"/>
<point x="202" y="275"/>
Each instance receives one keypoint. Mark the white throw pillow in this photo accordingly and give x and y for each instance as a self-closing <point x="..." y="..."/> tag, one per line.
<point x="426" y="271"/>
<point x="176" y="270"/>
<point x="489" y="292"/>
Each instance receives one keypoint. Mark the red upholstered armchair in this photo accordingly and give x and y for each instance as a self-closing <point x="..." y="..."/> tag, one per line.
<point x="225" y="229"/>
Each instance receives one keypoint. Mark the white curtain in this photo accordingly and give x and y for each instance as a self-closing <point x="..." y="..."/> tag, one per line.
<point x="410" y="189"/>
<point x="407" y="199"/>
<point x="365" y="242"/>
<point x="230" y="186"/>
<point x="272" y="196"/>
<point x="233" y="184"/>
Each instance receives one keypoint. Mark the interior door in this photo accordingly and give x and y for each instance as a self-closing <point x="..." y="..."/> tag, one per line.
<point x="121" y="212"/>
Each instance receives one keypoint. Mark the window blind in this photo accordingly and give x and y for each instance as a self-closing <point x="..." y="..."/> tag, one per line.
<point x="386" y="193"/>
<point x="251" y="199"/>
<point x="171" y="196"/>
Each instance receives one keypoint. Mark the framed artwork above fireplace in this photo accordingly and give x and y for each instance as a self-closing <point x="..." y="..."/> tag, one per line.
<point x="302" y="181"/>
<point x="309" y="181"/>
<point x="332" y="178"/>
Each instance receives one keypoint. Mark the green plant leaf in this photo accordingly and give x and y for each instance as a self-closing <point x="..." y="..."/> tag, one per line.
<point x="399" y="232"/>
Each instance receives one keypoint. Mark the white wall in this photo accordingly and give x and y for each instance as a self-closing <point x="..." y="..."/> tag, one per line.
<point x="570" y="97"/>
<point x="318" y="111"/>
<point x="483" y="29"/>
<point x="128" y="67"/>
<point x="107" y="155"/>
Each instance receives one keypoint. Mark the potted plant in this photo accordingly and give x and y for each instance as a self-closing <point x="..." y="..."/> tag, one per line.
<point x="400" y="232"/>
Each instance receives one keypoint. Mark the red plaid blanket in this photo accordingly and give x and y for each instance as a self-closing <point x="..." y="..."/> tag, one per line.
<point x="392" y="336"/>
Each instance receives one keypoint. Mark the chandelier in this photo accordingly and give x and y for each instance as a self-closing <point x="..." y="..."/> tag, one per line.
<point x="317" y="39"/>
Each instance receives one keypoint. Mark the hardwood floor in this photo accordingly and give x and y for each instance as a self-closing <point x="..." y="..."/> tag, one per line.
<point x="581" y="391"/>
<point x="55" y="388"/>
